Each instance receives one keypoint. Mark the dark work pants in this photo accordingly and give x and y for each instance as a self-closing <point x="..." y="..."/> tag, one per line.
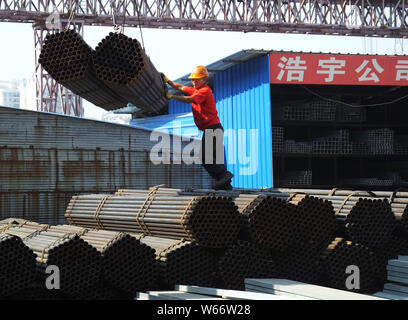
<point x="216" y="171"/>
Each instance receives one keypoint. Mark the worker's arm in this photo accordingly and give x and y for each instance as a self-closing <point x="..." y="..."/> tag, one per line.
<point x="174" y="85"/>
<point x="186" y="99"/>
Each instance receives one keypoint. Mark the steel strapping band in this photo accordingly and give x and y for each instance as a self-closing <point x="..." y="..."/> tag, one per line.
<point x="98" y="211"/>
<point x="354" y="193"/>
<point x="170" y="247"/>
<point x="68" y="211"/>
<point x="394" y="193"/>
<point x="139" y="211"/>
<point x="144" y="214"/>
<point x="185" y="213"/>
<point x="250" y="202"/>
<point x="117" y="235"/>
<point x="295" y="194"/>
<point x="154" y="189"/>
<point x="332" y="192"/>
<point x="66" y="235"/>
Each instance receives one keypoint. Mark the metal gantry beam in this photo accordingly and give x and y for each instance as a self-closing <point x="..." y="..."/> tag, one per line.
<point x="383" y="18"/>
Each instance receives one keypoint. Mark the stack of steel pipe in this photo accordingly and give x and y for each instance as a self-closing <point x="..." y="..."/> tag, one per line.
<point x="344" y="200"/>
<point x="127" y="264"/>
<point x="210" y="221"/>
<point x="338" y="262"/>
<point x="404" y="219"/>
<point x="315" y="219"/>
<point x="103" y="291"/>
<point x="245" y="260"/>
<point x="370" y="222"/>
<point x="270" y="221"/>
<point x="68" y="59"/>
<point x="122" y="64"/>
<point x="183" y="262"/>
<point x="300" y="262"/>
<point x="17" y="265"/>
<point x="78" y="262"/>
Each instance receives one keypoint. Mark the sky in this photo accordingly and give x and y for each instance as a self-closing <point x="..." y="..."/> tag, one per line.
<point x="176" y="52"/>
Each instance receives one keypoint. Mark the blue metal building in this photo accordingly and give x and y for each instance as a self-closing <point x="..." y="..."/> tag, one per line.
<point x="241" y="89"/>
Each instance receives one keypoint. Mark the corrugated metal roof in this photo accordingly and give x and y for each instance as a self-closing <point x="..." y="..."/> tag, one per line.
<point x="225" y="63"/>
<point x="250" y="54"/>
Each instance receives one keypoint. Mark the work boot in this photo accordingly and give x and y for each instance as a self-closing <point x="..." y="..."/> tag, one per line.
<point x="223" y="180"/>
<point x="226" y="186"/>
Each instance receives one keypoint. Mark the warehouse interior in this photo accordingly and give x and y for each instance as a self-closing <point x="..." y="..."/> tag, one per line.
<point x="322" y="136"/>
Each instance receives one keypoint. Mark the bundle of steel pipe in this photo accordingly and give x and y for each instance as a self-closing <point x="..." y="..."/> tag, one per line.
<point x="78" y="262"/>
<point x="118" y="250"/>
<point x="344" y="200"/>
<point x="300" y="262"/>
<point x="269" y="221"/>
<point x="404" y="219"/>
<point x="17" y="265"/>
<point x="183" y="261"/>
<point x="370" y="222"/>
<point x="245" y="260"/>
<point x="127" y="264"/>
<point x="122" y="64"/>
<point x="38" y="292"/>
<point x="210" y="221"/>
<point x="68" y="59"/>
<point x="104" y="291"/>
<point x="337" y="259"/>
<point x="268" y="217"/>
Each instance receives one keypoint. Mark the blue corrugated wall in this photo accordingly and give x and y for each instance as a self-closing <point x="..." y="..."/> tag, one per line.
<point x="242" y="95"/>
<point x="178" y="107"/>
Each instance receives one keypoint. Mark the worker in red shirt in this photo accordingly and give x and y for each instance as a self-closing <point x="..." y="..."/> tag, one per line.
<point x="206" y="119"/>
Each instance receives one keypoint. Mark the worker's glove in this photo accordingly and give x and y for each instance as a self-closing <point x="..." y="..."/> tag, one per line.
<point x="169" y="96"/>
<point x="165" y="79"/>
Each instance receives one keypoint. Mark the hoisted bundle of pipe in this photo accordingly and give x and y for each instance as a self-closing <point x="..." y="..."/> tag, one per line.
<point x="300" y="262"/>
<point x="183" y="261"/>
<point x="245" y="260"/>
<point x="78" y="262"/>
<point x="68" y="59"/>
<point x="17" y="265"/>
<point x="210" y="221"/>
<point x="122" y="64"/>
<point x="337" y="259"/>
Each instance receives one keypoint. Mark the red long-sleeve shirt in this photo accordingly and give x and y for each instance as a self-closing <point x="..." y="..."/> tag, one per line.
<point x="204" y="109"/>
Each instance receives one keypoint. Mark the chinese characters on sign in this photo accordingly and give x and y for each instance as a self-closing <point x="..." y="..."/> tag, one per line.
<point x="292" y="68"/>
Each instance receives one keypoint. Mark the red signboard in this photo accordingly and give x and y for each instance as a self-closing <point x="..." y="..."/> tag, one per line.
<point x="337" y="69"/>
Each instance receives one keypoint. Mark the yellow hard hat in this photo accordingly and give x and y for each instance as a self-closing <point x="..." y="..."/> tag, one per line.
<point x="199" y="72"/>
